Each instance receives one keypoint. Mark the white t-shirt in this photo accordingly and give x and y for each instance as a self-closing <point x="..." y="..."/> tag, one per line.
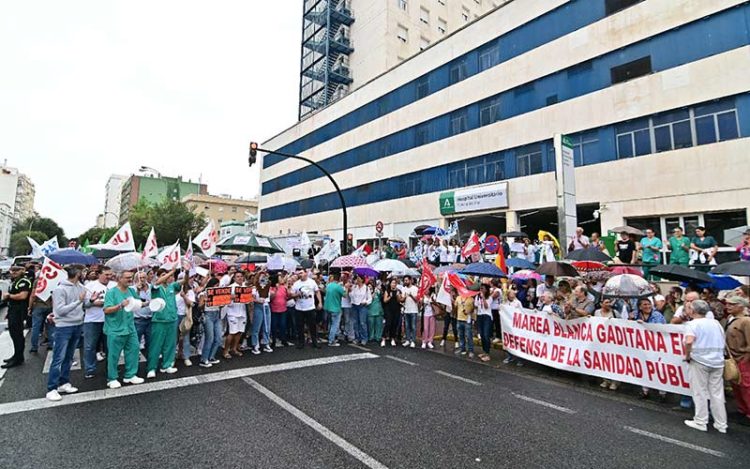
<point x="531" y="253"/>
<point x="225" y="281"/>
<point x="513" y="304"/>
<point x="443" y="254"/>
<point x="428" y="305"/>
<point x="360" y="295"/>
<point x="306" y="289"/>
<point x="234" y="310"/>
<point x="682" y="314"/>
<point x="410" y="304"/>
<point x="96" y="313"/>
<point x="480" y="308"/>
<point x="496" y="302"/>
<point x="580" y="243"/>
<point x="180" y="302"/>
<point x="452" y="251"/>
<point x="708" y="347"/>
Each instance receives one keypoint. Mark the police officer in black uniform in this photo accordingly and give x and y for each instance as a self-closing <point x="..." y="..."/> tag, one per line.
<point x="18" y="307"/>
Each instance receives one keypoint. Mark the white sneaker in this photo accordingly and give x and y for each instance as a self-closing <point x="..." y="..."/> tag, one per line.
<point x="267" y="349"/>
<point x="393" y="343"/>
<point x="430" y="346"/>
<point x="54" y="395"/>
<point x="696" y="425"/>
<point x="100" y="356"/>
<point x="456" y="346"/>
<point x="151" y="374"/>
<point x="114" y="384"/>
<point x="412" y="344"/>
<point x="382" y="343"/>
<point x="169" y="371"/>
<point x="442" y="343"/>
<point x="405" y="344"/>
<point x="214" y="361"/>
<point x="133" y="380"/>
<point x="188" y="362"/>
<point x="720" y="430"/>
<point x="424" y="344"/>
<point x="205" y="365"/>
<point x="256" y="350"/>
<point x="67" y="388"/>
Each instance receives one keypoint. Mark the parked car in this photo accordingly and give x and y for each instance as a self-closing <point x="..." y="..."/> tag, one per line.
<point x="5" y="266"/>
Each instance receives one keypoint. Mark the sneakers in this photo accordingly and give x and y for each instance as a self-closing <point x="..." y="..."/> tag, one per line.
<point x="405" y="343"/>
<point x="205" y="365"/>
<point x="382" y="343"/>
<point x="430" y="346"/>
<point x="508" y="360"/>
<point x="720" y="430"/>
<point x="696" y="425"/>
<point x="256" y="350"/>
<point x="88" y="375"/>
<point x="267" y="349"/>
<point x="214" y="361"/>
<point x="334" y="344"/>
<point x="614" y="385"/>
<point x="412" y="344"/>
<point x="393" y="343"/>
<point x="605" y="384"/>
<point x="133" y="380"/>
<point x="496" y="341"/>
<point x="100" y="356"/>
<point x="471" y="354"/>
<point x="424" y="344"/>
<point x="151" y="374"/>
<point x="188" y="362"/>
<point x="456" y="345"/>
<point x="442" y="343"/>
<point x="171" y="370"/>
<point x="280" y="344"/>
<point x="114" y="384"/>
<point x="54" y="395"/>
<point x="67" y="388"/>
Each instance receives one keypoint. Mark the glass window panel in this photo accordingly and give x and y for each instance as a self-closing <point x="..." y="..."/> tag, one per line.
<point x="663" y="138"/>
<point x="578" y="155"/>
<point x="727" y="126"/>
<point x="522" y="165"/>
<point x="705" y="129"/>
<point x="535" y="165"/>
<point x="673" y="116"/>
<point x="590" y="152"/>
<point x="642" y="142"/>
<point x="716" y="223"/>
<point x="683" y="137"/>
<point x="714" y="107"/>
<point x="625" y="146"/>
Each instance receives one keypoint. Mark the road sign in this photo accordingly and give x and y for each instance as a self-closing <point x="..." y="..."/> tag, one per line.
<point x="379" y="227"/>
<point x="491" y="244"/>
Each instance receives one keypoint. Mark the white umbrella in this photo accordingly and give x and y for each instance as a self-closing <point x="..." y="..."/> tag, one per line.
<point x="390" y="265"/>
<point x="129" y="261"/>
<point x="290" y="265"/>
<point x="733" y="236"/>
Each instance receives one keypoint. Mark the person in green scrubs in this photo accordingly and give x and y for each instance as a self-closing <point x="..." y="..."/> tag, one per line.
<point x="650" y="247"/>
<point x="679" y="247"/>
<point x="164" y="324"/>
<point x="119" y="326"/>
<point x="375" y="314"/>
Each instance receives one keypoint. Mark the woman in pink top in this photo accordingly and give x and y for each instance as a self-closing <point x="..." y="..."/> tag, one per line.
<point x="279" y="296"/>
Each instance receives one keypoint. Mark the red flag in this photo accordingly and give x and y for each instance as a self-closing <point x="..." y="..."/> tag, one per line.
<point x="471" y="247"/>
<point x="427" y="279"/>
<point x="500" y="259"/>
<point x="459" y="285"/>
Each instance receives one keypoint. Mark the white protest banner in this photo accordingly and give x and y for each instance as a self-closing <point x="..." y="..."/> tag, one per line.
<point x="36" y="249"/>
<point x="151" y="249"/>
<point x="275" y="262"/>
<point x="649" y="355"/>
<point x="50" y="276"/>
<point x="121" y="241"/>
<point x="206" y="239"/>
<point x="188" y="261"/>
<point x="169" y="258"/>
<point x="50" y="246"/>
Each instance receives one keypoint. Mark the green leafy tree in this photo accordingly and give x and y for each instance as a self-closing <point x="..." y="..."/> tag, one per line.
<point x="44" y="225"/>
<point x="19" y="245"/>
<point x="94" y="234"/>
<point x="172" y="220"/>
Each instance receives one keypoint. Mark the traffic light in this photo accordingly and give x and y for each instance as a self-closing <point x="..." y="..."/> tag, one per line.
<point x="253" y="153"/>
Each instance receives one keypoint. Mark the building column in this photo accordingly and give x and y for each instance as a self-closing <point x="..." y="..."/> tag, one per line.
<point x="512" y="222"/>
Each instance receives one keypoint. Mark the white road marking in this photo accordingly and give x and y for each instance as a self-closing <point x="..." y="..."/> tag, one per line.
<point x="6" y="348"/>
<point x="359" y="347"/>
<point x="400" y="360"/>
<point x="683" y="444"/>
<point x="37" y="404"/>
<point x="460" y="378"/>
<point x="357" y="453"/>
<point x="79" y="362"/>
<point x="544" y="403"/>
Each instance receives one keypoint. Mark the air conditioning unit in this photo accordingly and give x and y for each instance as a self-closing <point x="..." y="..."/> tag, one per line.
<point x="340" y="92"/>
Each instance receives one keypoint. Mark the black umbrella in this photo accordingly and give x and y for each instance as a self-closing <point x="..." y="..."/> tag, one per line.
<point x="558" y="269"/>
<point x="107" y="253"/>
<point x="738" y="268"/>
<point x="252" y="259"/>
<point x="408" y="262"/>
<point x="514" y="234"/>
<point x="588" y="254"/>
<point x="680" y="273"/>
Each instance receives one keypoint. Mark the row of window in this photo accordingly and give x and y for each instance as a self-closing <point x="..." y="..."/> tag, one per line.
<point x="592" y="146"/>
<point x="541" y="30"/>
<point x="700" y="39"/>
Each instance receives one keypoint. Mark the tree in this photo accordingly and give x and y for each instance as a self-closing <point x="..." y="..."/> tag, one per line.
<point x="19" y="245"/>
<point x="44" y="225"/>
<point x="94" y="234"/>
<point x="171" y="219"/>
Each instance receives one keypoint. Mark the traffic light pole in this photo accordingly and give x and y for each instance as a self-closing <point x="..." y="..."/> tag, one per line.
<point x="328" y="175"/>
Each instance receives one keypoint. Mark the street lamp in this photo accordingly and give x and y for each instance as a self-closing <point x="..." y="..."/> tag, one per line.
<point x="254" y="149"/>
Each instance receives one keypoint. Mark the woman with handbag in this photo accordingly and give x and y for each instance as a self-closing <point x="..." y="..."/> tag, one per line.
<point x="738" y="348"/>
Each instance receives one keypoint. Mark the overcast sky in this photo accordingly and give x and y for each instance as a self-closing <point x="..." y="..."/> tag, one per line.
<point x="89" y="88"/>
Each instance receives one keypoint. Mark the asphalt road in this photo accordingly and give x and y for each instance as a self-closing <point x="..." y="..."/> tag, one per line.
<point x="344" y="408"/>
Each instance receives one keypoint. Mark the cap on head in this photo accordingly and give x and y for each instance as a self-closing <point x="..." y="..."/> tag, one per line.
<point x="738" y="300"/>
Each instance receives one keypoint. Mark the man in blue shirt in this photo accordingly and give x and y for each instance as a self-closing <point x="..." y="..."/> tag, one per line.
<point x="650" y="253"/>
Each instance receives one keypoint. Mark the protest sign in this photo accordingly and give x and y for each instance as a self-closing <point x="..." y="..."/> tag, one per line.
<point x="649" y="355"/>
<point x="49" y="278"/>
<point x="243" y="294"/>
<point x="219" y="296"/>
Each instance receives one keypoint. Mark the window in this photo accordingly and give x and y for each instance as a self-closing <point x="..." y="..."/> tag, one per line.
<point x="489" y="56"/>
<point x="551" y="99"/>
<point x="457" y="177"/>
<point x="424" y="15"/>
<point x="529" y="162"/>
<point x="672" y="131"/>
<point x="422" y="134"/>
<point x="459" y="70"/>
<point x="424" y="43"/>
<point x="628" y="71"/>
<point x="585" y="148"/>
<point x="465" y="14"/>
<point x="459" y="121"/>
<point x="613" y="6"/>
<point x="423" y="86"/>
<point x="489" y="111"/>
<point x="403" y="34"/>
<point x="442" y="26"/>
<point x="403" y="4"/>
<point x="411" y="186"/>
<point x="716" y="121"/>
<point x="633" y="139"/>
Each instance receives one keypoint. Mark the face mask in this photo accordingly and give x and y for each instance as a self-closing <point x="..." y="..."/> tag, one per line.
<point x="263" y="282"/>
